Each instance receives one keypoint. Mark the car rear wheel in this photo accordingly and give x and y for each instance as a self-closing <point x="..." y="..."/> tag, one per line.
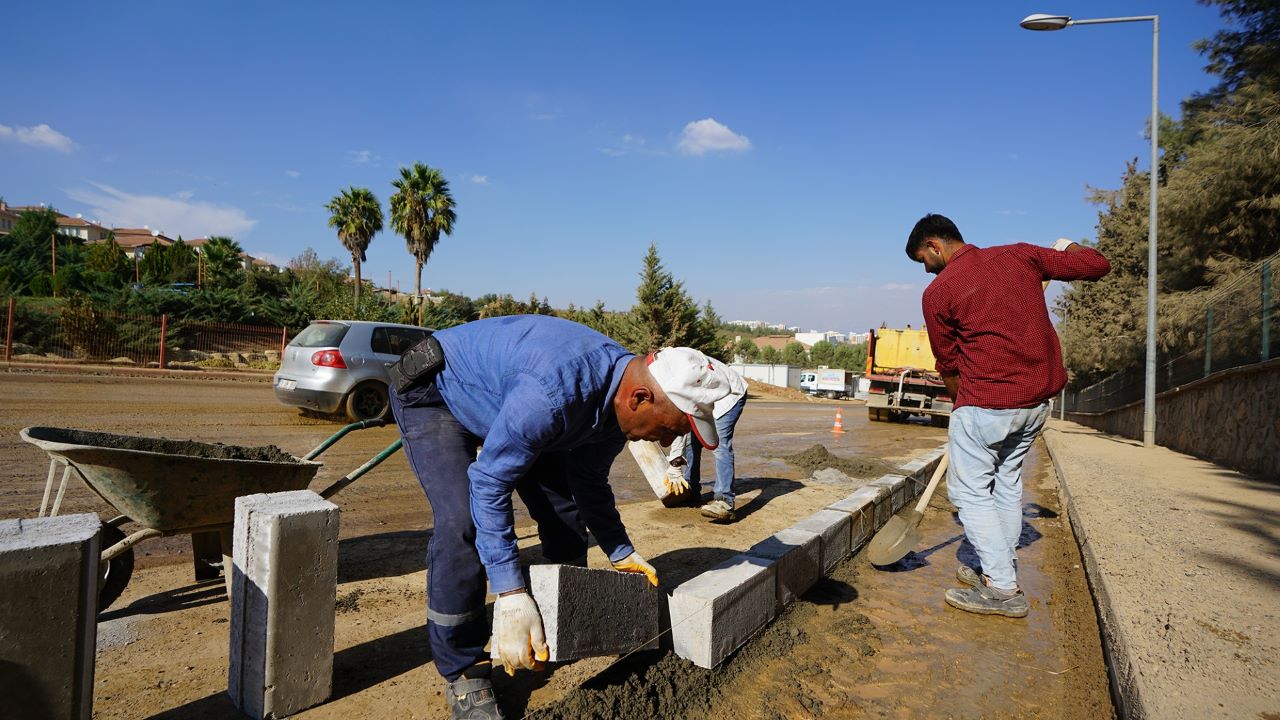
<point x="368" y="401"/>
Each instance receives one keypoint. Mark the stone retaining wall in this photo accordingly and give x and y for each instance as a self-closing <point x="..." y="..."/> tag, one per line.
<point x="1231" y="418"/>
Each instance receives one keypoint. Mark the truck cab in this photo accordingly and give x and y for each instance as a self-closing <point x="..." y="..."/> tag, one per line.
<point x="809" y="382"/>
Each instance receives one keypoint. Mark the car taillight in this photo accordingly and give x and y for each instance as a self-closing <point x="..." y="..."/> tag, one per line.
<point x="328" y="358"/>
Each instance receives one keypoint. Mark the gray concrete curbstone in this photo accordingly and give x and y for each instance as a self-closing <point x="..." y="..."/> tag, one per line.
<point x="797" y="557"/>
<point x="48" y="616"/>
<point x="835" y="527"/>
<point x="861" y="509"/>
<point x="285" y="553"/>
<point x="589" y="613"/>
<point x="716" y="612"/>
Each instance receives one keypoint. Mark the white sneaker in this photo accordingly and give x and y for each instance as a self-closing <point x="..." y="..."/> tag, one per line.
<point x="718" y="510"/>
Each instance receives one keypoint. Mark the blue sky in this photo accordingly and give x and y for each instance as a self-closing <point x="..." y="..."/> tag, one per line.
<point x="777" y="157"/>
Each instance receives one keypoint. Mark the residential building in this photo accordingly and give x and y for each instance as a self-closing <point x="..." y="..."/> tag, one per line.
<point x="8" y="217"/>
<point x="136" y="241"/>
<point x="78" y="227"/>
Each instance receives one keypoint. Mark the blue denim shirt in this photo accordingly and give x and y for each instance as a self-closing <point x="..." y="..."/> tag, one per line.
<point x="526" y="384"/>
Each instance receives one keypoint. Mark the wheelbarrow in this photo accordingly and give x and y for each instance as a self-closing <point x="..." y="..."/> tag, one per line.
<point x="172" y="487"/>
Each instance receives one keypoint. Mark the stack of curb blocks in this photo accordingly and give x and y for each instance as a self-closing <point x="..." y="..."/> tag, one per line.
<point x="715" y="613"/>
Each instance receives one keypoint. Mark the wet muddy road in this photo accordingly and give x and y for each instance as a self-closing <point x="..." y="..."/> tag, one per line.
<point x="880" y="643"/>
<point x="864" y="643"/>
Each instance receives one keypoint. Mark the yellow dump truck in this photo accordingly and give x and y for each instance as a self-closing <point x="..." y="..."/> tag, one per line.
<point x="900" y="367"/>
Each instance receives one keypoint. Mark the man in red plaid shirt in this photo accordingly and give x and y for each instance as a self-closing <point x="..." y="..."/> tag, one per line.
<point x="999" y="356"/>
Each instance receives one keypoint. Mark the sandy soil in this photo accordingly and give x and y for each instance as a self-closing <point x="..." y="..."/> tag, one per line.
<point x="163" y="645"/>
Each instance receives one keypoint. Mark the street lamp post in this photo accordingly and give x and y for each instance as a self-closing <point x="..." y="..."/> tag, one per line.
<point x="1060" y="22"/>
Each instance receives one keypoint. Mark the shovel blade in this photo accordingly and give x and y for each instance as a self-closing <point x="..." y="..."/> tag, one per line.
<point x="897" y="538"/>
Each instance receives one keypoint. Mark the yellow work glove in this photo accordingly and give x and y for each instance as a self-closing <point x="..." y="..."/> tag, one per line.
<point x="634" y="563"/>
<point x="518" y="640"/>
<point x="674" y="481"/>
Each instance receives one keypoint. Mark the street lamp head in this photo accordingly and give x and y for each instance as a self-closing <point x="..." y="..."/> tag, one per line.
<point x="1040" y="21"/>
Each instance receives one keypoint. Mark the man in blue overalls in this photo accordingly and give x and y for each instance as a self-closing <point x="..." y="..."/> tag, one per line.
<point x="552" y="403"/>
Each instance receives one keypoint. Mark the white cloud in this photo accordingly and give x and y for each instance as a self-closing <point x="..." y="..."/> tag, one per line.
<point x="362" y="157"/>
<point x="707" y="135"/>
<point x="40" y="136"/>
<point x="480" y="179"/>
<point x="293" y="173"/>
<point x="897" y="287"/>
<point x="184" y="194"/>
<point x="176" y="215"/>
<point x="630" y="144"/>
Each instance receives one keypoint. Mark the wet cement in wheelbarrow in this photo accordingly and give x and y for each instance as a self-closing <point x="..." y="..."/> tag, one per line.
<point x="819" y="457"/>
<point x="186" y="448"/>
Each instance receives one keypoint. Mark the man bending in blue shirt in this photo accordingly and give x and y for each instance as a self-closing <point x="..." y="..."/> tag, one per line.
<point x="552" y="403"/>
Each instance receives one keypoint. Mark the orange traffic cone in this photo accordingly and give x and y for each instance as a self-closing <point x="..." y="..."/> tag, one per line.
<point x="839" y="426"/>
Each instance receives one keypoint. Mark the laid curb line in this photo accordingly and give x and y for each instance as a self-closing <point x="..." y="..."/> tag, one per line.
<point x="1122" y="671"/>
<point x="718" y="611"/>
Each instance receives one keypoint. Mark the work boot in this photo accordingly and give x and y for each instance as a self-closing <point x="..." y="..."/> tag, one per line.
<point x="968" y="576"/>
<point x="472" y="699"/>
<point x="718" y="510"/>
<point x="987" y="601"/>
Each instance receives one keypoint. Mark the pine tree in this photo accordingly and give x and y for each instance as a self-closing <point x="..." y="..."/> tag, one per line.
<point x="664" y="315"/>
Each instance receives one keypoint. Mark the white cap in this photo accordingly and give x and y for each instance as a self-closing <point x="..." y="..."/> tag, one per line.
<point x="694" y="385"/>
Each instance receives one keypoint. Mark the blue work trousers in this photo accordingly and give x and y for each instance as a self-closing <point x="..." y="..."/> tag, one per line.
<point x="440" y="450"/>
<point x="984" y="481"/>
<point x="723" y="486"/>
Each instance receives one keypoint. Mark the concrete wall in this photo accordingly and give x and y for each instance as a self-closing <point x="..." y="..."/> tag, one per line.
<point x="780" y="375"/>
<point x="1231" y="418"/>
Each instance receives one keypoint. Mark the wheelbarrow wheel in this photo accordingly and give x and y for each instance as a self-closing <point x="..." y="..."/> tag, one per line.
<point x="115" y="573"/>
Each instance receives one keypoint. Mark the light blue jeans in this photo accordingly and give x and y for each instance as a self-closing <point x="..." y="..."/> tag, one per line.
<point x="985" y="481"/>
<point x="724" y="456"/>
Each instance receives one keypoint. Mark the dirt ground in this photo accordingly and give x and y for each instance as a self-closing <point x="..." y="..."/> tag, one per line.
<point x="864" y="643"/>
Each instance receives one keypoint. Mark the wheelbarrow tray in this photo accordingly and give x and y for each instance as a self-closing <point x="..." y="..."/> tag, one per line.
<point x="169" y="485"/>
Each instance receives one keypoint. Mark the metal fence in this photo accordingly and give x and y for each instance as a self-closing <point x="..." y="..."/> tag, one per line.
<point x="1231" y="326"/>
<point x="40" y="331"/>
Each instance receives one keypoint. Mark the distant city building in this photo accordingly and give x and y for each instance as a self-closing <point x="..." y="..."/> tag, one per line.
<point x="757" y="325"/>
<point x="809" y="339"/>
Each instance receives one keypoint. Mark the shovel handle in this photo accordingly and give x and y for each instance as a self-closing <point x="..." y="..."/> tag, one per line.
<point x="938" y="472"/>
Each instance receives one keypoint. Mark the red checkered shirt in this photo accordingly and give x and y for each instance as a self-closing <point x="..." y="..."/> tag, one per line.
<point x="988" y="322"/>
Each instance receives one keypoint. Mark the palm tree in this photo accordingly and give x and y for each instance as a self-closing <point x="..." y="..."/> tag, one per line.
<point x="223" y="260"/>
<point x="357" y="216"/>
<point x="421" y="209"/>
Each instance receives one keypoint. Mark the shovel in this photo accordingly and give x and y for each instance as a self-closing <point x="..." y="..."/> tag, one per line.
<point x="900" y="535"/>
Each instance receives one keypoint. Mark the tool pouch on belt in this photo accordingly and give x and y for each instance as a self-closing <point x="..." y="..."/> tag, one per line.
<point x="417" y="366"/>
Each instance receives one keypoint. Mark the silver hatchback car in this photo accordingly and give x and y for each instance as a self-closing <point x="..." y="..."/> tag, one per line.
<point x="340" y="366"/>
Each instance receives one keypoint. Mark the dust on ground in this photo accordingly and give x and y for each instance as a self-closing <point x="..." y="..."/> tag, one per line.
<point x="819" y="457"/>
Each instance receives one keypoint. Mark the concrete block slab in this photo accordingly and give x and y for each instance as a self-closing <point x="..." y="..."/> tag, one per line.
<point x="588" y="613"/>
<point x="861" y="509"/>
<point x="716" y="612"/>
<point x="797" y="559"/>
<point x="836" y="529"/>
<point x="48" y="616"/>
<point x="283" y="589"/>
<point x="883" y="498"/>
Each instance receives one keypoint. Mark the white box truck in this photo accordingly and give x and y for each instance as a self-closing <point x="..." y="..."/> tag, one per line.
<point x="833" y="383"/>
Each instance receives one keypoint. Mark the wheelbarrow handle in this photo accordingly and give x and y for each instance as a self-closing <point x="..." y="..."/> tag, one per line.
<point x="355" y="474"/>
<point x="377" y="422"/>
